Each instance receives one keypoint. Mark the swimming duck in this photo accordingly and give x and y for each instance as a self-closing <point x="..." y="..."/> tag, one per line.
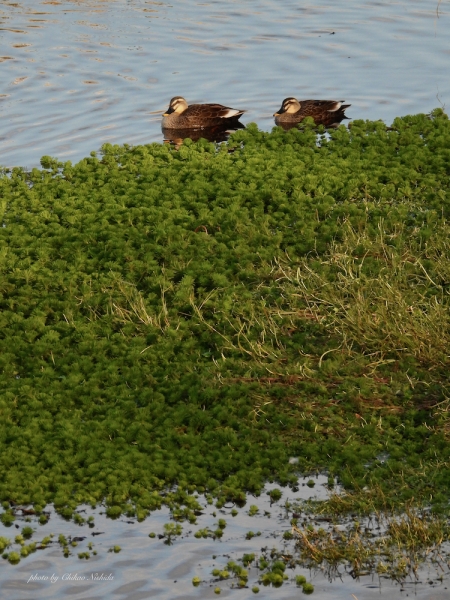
<point x="324" y="112"/>
<point x="181" y="116"/>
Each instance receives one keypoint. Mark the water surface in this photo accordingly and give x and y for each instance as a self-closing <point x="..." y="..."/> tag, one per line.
<point x="77" y="74"/>
<point x="148" y="568"/>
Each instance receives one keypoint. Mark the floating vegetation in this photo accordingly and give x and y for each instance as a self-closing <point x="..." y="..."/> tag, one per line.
<point x="174" y="322"/>
<point x="27" y="532"/>
<point x="251" y="534"/>
<point x="275" y="495"/>
<point x="171" y="531"/>
<point x="13" y="558"/>
<point x="274" y="573"/>
<point x="271" y="568"/>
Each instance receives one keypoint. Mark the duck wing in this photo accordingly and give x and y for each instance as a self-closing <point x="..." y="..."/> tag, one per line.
<point x="212" y="111"/>
<point x="314" y="107"/>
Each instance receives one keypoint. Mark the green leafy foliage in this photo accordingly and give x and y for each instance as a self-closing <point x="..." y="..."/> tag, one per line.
<point x="195" y="318"/>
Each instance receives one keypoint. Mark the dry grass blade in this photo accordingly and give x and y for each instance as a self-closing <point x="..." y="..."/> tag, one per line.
<point x="383" y="542"/>
<point x="390" y="304"/>
<point x="134" y="308"/>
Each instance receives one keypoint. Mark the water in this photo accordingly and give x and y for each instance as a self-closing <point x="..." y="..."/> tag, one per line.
<point x="77" y="74"/>
<point x="148" y="568"/>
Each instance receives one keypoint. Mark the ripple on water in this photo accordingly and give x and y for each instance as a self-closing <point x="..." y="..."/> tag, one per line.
<point x="385" y="58"/>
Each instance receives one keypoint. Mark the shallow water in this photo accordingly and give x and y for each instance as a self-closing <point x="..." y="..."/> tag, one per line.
<point x="148" y="568"/>
<point x="77" y="74"/>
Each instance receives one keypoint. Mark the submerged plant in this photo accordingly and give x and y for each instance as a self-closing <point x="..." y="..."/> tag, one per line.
<point x="394" y="545"/>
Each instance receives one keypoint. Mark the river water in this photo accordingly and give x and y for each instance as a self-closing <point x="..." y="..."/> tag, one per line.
<point x="147" y="568"/>
<point x="75" y="74"/>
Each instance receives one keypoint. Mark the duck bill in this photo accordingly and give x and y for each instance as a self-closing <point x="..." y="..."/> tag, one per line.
<point x="169" y="111"/>
<point x="279" y="112"/>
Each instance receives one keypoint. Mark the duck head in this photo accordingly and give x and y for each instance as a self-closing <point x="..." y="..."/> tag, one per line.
<point x="289" y="105"/>
<point x="176" y="105"/>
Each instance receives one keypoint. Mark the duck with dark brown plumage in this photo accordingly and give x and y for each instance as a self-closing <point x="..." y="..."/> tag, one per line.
<point x="324" y="112"/>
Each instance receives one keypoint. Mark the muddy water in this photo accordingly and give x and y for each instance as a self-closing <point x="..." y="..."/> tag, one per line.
<point x="76" y="74"/>
<point x="148" y="568"/>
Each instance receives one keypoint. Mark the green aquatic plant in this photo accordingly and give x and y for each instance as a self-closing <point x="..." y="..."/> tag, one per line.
<point x="28" y="549"/>
<point x="247" y="559"/>
<point x="233" y="569"/>
<point x="4" y="543"/>
<point x="171" y="531"/>
<point x="7" y="518"/>
<point x="272" y="571"/>
<point x="78" y="519"/>
<point x="27" y="532"/>
<point x="13" y="558"/>
<point x="191" y="320"/>
<point x="237" y="569"/>
<point x="275" y="495"/>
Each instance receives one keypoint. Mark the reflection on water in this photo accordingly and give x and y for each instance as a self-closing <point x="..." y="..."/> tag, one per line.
<point x="76" y="74"/>
<point x="212" y="134"/>
<point x="328" y="123"/>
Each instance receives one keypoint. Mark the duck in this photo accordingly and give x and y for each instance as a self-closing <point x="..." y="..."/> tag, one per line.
<point x="198" y="116"/>
<point x="324" y="112"/>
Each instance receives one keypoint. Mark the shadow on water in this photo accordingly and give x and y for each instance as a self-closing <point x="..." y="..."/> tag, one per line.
<point x="330" y="122"/>
<point x="212" y="134"/>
